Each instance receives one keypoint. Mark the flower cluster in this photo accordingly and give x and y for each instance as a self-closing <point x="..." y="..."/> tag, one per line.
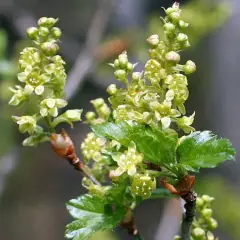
<point x="42" y="77"/>
<point x="143" y="185"/>
<point x="102" y="110"/>
<point x="91" y="147"/>
<point x="205" y="223"/>
<point x="157" y="95"/>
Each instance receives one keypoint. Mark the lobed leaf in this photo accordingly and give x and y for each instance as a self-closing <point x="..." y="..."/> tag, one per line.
<point x="204" y="150"/>
<point x="93" y="214"/>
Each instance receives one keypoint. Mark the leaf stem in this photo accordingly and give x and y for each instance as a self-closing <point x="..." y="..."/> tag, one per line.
<point x="189" y="215"/>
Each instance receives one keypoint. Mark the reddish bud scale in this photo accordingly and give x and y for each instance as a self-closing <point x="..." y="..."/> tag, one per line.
<point x="63" y="146"/>
<point x="182" y="188"/>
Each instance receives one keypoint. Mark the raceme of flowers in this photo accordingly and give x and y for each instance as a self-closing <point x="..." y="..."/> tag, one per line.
<point x="42" y="76"/>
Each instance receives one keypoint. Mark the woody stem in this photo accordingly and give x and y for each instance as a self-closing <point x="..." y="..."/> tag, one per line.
<point x="188" y="216"/>
<point x="80" y="166"/>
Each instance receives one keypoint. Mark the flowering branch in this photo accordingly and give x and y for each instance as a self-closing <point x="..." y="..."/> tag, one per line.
<point x="134" y="141"/>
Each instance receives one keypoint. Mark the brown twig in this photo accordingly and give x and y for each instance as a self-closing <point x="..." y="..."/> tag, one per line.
<point x="64" y="147"/>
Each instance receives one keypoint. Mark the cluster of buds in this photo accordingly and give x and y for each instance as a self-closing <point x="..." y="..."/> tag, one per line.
<point x="102" y="112"/>
<point x="203" y="224"/>
<point x="143" y="185"/>
<point x="158" y="94"/>
<point x="42" y="77"/>
<point x="122" y="68"/>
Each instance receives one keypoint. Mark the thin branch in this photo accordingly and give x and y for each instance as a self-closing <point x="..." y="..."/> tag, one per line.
<point x="188" y="216"/>
<point x="86" y="60"/>
<point x="63" y="146"/>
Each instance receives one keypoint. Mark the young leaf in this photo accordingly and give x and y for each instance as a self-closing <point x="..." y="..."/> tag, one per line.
<point x="204" y="150"/>
<point x="116" y="131"/>
<point x="93" y="214"/>
<point x="157" y="146"/>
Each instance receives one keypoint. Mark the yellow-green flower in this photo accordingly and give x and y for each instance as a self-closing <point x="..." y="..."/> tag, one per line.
<point x="127" y="161"/>
<point x="50" y="106"/>
<point x="91" y="147"/>
<point x="26" y="123"/>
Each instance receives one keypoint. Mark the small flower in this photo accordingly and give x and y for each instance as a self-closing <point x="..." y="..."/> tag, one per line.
<point x="50" y="106"/>
<point x="26" y="123"/>
<point x="92" y="146"/>
<point x="185" y="123"/>
<point x="127" y="161"/>
<point x="19" y="95"/>
<point x="34" y="80"/>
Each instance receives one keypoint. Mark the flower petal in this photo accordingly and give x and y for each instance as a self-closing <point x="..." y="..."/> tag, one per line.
<point x="39" y="90"/>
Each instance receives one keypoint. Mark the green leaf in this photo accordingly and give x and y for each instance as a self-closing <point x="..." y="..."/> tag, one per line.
<point x="115" y="131"/>
<point x="93" y="214"/>
<point x="157" y="146"/>
<point x="204" y="150"/>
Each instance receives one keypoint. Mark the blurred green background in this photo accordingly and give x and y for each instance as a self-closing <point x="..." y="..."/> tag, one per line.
<point x="35" y="183"/>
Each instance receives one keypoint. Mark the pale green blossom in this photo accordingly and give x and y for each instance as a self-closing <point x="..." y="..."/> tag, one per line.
<point x="127" y="161"/>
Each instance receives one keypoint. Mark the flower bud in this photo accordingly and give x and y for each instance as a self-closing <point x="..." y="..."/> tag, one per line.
<point x="104" y="111"/>
<point x="207" y="199"/>
<point x="56" y="32"/>
<point x="121" y="75"/>
<point x="182" y="24"/>
<point x="210" y="236"/>
<point x="199" y="202"/>
<point x="43" y="31"/>
<point x="169" y="27"/>
<point x="129" y="67"/>
<point x="207" y="212"/>
<point x="47" y="22"/>
<point x="32" y="33"/>
<point x="173" y="57"/>
<point x="153" y="40"/>
<point x="73" y="115"/>
<point x="123" y="59"/>
<point x="189" y="67"/>
<point x="175" y="17"/>
<point x="90" y="116"/>
<point x="198" y="233"/>
<point x="181" y="37"/>
<point x="50" y="48"/>
<point x="112" y="89"/>
<point x="136" y="76"/>
<point x="116" y="63"/>
<point x="169" y="10"/>
<point x="97" y="102"/>
<point x="213" y="224"/>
